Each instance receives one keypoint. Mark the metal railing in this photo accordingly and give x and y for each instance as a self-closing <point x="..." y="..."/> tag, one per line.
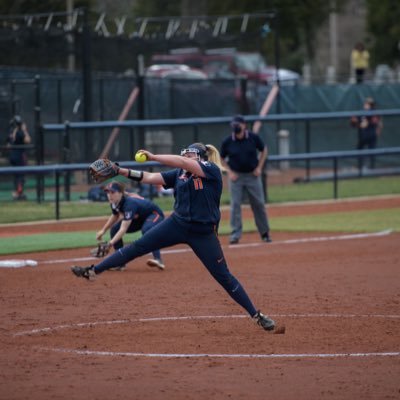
<point x="195" y="124"/>
<point x="335" y="156"/>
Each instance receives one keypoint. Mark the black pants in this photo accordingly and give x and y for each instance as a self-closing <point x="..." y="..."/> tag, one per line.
<point x="19" y="179"/>
<point x="369" y="143"/>
<point x="360" y="72"/>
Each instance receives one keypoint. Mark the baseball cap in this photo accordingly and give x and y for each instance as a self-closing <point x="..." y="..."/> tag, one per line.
<point x="113" y="187"/>
<point x="238" y="118"/>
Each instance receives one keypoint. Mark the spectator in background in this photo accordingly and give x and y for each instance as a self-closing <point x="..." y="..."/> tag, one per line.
<point x="359" y="61"/>
<point x="369" y="128"/>
<point x="243" y="154"/>
<point x="16" y="140"/>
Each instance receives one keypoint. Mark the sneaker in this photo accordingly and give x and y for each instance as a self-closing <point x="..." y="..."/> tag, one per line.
<point x="234" y="241"/>
<point x="156" y="263"/>
<point x="266" y="238"/>
<point x="84" y="272"/>
<point x="265" y="322"/>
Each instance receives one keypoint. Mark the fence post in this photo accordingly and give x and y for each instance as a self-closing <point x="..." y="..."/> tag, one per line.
<point x="335" y="177"/>
<point x="57" y="195"/>
<point x="244" y="104"/>
<point x="141" y="112"/>
<point x="284" y="148"/>
<point x="66" y="160"/>
<point x="308" y="148"/>
<point x="13" y="98"/>
<point x="39" y="139"/>
<point x="101" y="98"/>
<point x="59" y="101"/>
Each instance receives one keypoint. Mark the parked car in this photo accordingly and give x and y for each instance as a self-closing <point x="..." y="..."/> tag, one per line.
<point x="227" y="63"/>
<point x="384" y="74"/>
<point x="174" y="71"/>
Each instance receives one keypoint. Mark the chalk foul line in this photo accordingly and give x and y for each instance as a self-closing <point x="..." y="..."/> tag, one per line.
<point x="87" y="352"/>
<point x="213" y="355"/>
<point x="196" y="317"/>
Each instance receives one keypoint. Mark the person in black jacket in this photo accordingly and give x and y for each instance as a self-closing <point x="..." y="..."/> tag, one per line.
<point x="369" y="129"/>
<point x="243" y="155"/>
<point x="18" y="137"/>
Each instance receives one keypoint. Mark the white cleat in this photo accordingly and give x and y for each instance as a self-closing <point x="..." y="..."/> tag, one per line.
<point x="156" y="263"/>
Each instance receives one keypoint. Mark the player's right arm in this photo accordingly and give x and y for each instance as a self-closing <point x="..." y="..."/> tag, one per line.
<point x="110" y="222"/>
<point x="121" y="232"/>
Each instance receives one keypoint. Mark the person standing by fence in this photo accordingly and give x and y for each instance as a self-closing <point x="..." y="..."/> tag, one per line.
<point x="359" y="62"/>
<point x="245" y="155"/>
<point x="16" y="140"/>
<point x="369" y="129"/>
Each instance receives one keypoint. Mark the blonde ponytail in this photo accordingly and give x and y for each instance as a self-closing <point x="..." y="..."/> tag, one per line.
<point x="214" y="156"/>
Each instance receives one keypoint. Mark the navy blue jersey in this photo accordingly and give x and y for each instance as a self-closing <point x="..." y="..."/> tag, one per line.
<point x="135" y="209"/>
<point x="196" y="199"/>
<point x="242" y="153"/>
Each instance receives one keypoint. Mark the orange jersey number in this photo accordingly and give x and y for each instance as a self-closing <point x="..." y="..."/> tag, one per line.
<point x="198" y="183"/>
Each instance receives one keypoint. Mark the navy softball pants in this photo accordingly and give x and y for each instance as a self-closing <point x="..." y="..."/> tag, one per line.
<point x="201" y="238"/>
<point x="144" y="226"/>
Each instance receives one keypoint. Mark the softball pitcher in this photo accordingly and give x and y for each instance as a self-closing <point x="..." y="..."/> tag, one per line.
<point x="197" y="183"/>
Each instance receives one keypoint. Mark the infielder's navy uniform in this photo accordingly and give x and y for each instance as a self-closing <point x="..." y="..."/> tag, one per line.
<point x="195" y="222"/>
<point x="142" y="213"/>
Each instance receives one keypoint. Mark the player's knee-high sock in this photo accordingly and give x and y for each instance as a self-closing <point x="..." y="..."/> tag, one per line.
<point x="157" y="254"/>
<point x="237" y="292"/>
<point x="128" y="253"/>
<point x="240" y="296"/>
<point x="214" y="260"/>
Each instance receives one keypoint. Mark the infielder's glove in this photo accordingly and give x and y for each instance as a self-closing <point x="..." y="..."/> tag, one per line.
<point x="102" y="249"/>
<point x="103" y="169"/>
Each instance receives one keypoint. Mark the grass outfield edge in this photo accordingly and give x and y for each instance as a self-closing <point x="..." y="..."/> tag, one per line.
<point x="227" y="207"/>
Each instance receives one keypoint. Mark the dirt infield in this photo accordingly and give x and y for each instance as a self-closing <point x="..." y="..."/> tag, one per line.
<point x="175" y="334"/>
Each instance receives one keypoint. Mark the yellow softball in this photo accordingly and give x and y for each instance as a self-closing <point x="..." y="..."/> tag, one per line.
<point x="140" y="157"/>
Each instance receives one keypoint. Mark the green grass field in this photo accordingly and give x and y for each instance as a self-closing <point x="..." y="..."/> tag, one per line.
<point x="32" y="211"/>
<point x="360" y="221"/>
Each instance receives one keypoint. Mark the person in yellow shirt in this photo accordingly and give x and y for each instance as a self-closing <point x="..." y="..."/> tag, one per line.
<point x="359" y="61"/>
